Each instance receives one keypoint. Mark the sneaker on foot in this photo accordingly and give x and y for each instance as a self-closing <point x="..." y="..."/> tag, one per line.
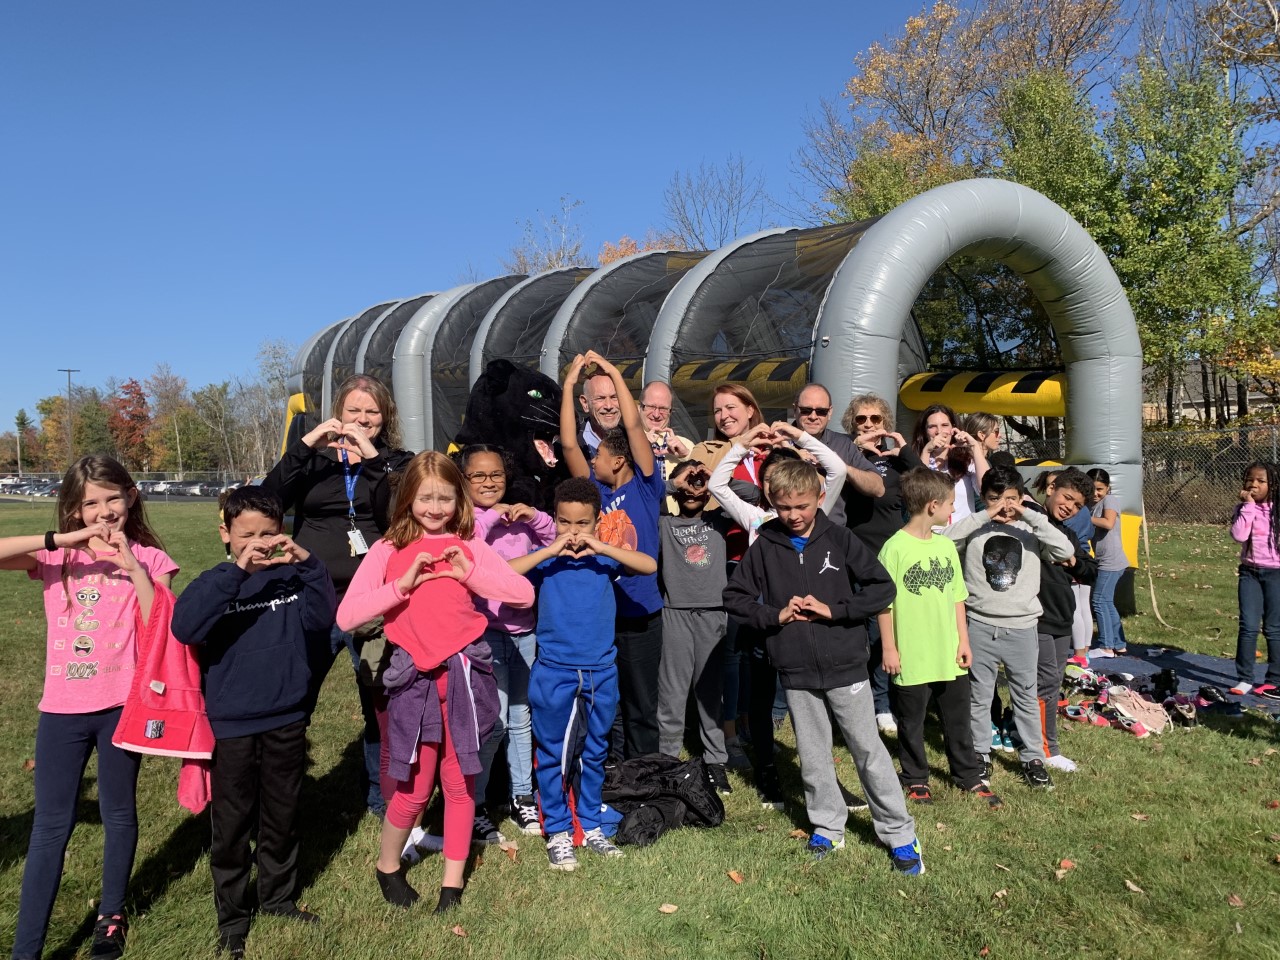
<point x="560" y="852"/>
<point x="524" y="813"/>
<point x="109" y="934"/>
<point x="738" y="759"/>
<point x="1079" y="659"/>
<point x="852" y="802"/>
<point x="993" y="800"/>
<point x="997" y="741"/>
<point x="919" y="793"/>
<point x="769" y="788"/>
<point x="1059" y="762"/>
<point x="718" y="779"/>
<point x="985" y="761"/>
<point x="595" y="841"/>
<point x="485" y="831"/>
<point x="1100" y="652"/>
<point x="412" y="853"/>
<point x="1268" y="690"/>
<point x="1036" y="775"/>
<point x="294" y="912"/>
<point x="907" y="859"/>
<point x="819" y="846"/>
<point x="886" y="723"/>
<point x="232" y="944"/>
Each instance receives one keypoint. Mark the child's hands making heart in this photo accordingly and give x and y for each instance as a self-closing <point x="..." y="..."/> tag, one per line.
<point x="426" y="566"/>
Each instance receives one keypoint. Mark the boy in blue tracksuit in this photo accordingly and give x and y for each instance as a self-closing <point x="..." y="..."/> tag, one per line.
<point x="259" y="621"/>
<point x="574" y="681"/>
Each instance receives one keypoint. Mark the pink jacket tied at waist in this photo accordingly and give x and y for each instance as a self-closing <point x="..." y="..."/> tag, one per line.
<point x="165" y="713"/>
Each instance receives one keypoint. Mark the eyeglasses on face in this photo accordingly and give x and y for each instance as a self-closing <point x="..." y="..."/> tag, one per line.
<point x="872" y="418"/>
<point x="655" y="407"/>
<point x="809" y="411"/>
<point x="482" y="477"/>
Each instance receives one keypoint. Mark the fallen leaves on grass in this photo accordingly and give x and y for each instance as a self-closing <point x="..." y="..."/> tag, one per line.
<point x="1001" y="866"/>
<point x="735" y="876"/>
<point x="28" y="765"/>
<point x="1133" y="887"/>
<point x="984" y="952"/>
<point x="511" y="852"/>
<point x="1254" y="761"/>
<point x="1273" y="804"/>
<point x="1143" y="817"/>
<point x="761" y="828"/>
<point x="1064" y="867"/>
<point x="457" y="930"/>
<point x="1000" y="894"/>
<point x="942" y="827"/>
<point x="1270" y="752"/>
<point x="798" y="835"/>
<point x="1233" y="900"/>
<point x="668" y="908"/>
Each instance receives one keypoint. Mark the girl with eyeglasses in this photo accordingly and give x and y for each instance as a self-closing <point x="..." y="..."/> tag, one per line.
<point x="513" y="530"/>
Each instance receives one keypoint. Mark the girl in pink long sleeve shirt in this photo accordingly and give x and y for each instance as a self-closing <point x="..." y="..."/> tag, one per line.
<point x="1256" y="525"/>
<point x="422" y="579"/>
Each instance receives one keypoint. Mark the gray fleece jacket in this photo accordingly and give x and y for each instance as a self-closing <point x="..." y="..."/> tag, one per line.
<point x="1002" y="565"/>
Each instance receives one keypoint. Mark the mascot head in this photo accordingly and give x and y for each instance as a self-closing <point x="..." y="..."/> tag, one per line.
<point x="518" y="409"/>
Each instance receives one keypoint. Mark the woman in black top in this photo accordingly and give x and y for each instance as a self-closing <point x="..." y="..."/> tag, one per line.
<point x="337" y="480"/>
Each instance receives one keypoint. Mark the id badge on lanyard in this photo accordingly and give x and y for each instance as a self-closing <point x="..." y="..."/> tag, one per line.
<point x="359" y="547"/>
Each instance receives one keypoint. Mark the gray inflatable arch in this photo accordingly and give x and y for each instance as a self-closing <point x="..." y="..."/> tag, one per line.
<point x="411" y="368"/>
<point x="867" y="307"/>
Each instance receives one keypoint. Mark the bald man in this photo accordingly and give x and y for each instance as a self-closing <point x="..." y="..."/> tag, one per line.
<point x="812" y="411"/>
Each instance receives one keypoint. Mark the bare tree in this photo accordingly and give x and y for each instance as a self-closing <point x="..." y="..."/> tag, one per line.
<point x="550" y="244"/>
<point x="716" y="203"/>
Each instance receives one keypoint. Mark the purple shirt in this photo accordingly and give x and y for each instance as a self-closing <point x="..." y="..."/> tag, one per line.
<point x="510" y="541"/>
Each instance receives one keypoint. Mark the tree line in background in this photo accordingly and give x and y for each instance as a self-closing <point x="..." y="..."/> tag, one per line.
<point x="1153" y="122"/>
<point x="160" y="424"/>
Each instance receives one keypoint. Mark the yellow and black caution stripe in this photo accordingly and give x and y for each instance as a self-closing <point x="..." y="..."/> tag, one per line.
<point x="774" y="381"/>
<point x="1005" y="393"/>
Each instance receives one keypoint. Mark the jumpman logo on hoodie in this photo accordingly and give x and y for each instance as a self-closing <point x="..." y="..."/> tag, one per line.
<point x="828" y="565"/>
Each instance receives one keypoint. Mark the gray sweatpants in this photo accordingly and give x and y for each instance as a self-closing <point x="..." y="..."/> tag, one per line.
<point x="1019" y="650"/>
<point x="692" y="658"/>
<point x="854" y="710"/>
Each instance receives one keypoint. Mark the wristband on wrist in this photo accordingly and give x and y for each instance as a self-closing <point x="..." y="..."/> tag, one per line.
<point x="49" y="543"/>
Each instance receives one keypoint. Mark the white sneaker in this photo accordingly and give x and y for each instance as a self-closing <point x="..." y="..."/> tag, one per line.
<point x="412" y="853"/>
<point x="886" y="723"/>
<point x="1103" y="652"/>
<point x="1061" y="763"/>
<point x="1240" y="689"/>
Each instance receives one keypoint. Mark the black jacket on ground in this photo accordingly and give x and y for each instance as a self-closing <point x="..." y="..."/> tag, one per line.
<point x="1056" y="598"/>
<point x="835" y="568"/>
<point x="259" y="635"/>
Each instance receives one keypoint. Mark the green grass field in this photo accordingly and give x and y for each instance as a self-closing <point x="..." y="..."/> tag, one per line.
<point x="1184" y="818"/>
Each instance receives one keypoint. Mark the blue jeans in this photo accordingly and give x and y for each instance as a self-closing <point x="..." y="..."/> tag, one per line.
<point x="1110" y="629"/>
<point x="1259" y="603"/>
<point x="512" y="659"/>
<point x="64" y="742"/>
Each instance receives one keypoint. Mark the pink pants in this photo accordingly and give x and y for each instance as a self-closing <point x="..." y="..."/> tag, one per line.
<point x="411" y="796"/>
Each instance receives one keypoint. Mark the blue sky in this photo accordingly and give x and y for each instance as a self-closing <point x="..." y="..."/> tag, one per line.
<point x="180" y="182"/>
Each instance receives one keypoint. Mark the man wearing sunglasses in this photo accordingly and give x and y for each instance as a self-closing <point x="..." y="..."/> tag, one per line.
<point x="812" y="415"/>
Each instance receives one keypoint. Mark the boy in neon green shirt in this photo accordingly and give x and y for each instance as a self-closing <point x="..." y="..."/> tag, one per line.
<point x="926" y="638"/>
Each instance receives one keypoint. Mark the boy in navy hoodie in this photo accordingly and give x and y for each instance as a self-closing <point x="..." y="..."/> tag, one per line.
<point x="259" y="620"/>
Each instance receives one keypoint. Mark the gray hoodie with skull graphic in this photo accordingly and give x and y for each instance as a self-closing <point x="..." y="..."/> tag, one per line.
<point x="1002" y="565"/>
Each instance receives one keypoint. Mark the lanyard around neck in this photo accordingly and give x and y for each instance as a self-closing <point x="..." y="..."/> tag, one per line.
<point x="349" y="477"/>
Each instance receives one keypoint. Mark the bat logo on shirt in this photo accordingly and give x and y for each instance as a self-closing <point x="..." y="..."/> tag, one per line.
<point x="917" y="578"/>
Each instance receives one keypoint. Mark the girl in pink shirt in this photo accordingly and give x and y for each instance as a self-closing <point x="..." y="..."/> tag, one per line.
<point x="422" y="578"/>
<point x="1256" y="525"/>
<point x="99" y="570"/>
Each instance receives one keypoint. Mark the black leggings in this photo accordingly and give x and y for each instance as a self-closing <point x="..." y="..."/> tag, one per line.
<point x="762" y="685"/>
<point x="64" y="742"/>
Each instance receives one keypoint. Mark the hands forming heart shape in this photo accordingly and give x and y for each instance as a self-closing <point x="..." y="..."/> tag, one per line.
<point x="452" y="564"/>
<point x="576" y="546"/>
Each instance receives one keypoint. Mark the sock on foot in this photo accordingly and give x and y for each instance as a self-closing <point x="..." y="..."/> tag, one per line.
<point x="450" y="897"/>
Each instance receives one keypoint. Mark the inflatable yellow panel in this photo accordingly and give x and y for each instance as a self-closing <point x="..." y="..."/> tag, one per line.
<point x="1018" y="393"/>
<point x="297" y="404"/>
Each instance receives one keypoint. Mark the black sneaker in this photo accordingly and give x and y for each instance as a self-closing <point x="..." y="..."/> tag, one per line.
<point x="484" y="831"/>
<point x="984" y="791"/>
<point x="524" y="814"/>
<point x="231" y="944"/>
<point x="769" y="788"/>
<point x="294" y="912"/>
<point x="1036" y="775"/>
<point x="718" y="779"/>
<point x="853" y="803"/>
<point x="109" y="934"/>
<point x="985" y="761"/>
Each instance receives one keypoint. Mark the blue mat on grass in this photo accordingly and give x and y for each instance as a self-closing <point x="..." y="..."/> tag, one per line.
<point x="1194" y="671"/>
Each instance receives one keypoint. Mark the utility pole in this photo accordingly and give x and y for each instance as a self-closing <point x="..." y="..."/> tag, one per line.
<point x="68" y="372"/>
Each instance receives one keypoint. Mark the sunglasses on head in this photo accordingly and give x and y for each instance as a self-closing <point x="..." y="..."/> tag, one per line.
<point x="809" y="411"/>
<point x="868" y="418"/>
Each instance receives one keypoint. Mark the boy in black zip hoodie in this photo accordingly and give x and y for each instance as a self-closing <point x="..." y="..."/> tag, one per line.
<point x="261" y="621"/>
<point x="1066" y="495"/>
<point x="797" y="583"/>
